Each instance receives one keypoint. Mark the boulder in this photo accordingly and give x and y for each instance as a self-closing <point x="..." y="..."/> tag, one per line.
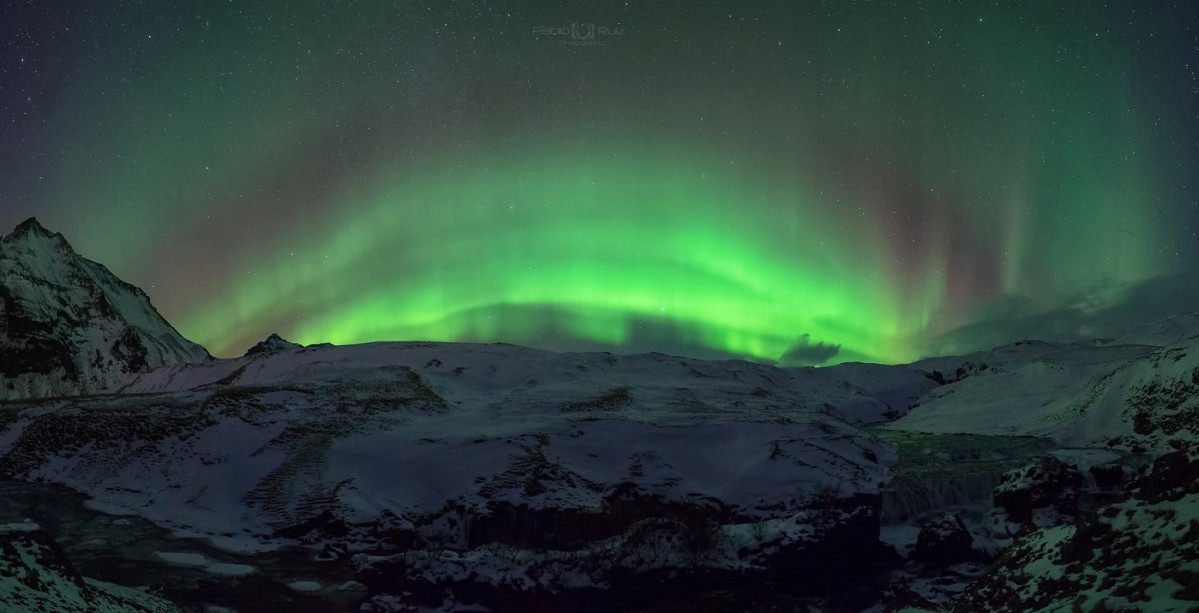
<point x="1043" y="482"/>
<point x="944" y="540"/>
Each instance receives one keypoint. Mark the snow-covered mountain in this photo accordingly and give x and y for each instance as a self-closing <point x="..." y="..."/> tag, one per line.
<point x="69" y="326"/>
<point x="523" y="478"/>
<point x="443" y="447"/>
<point x="1168" y="331"/>
<point x="454" y="477"/>
<point x="1136" y="398"/>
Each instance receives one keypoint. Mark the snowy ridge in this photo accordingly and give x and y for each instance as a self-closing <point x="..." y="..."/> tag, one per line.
<point x="368" y="429"/>
<point x="1133" y="397"/>
<point x="1026" y="389"/>
<point x="1168" y="331"/>
<point x="476" y="373"/>
<point x="69" y="326"/>
<point x="452" y="448"/>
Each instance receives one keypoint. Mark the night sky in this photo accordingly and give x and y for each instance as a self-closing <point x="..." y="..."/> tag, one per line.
<point x="811" y="181"/>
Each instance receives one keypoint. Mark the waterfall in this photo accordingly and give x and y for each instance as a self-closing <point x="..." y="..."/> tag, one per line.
<point x="914" y="492"/>
<point x="936" y="471"/>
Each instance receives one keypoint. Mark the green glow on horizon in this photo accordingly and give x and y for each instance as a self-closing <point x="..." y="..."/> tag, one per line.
<point x="606" y="240"/>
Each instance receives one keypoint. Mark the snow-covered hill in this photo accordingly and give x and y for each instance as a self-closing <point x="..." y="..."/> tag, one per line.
<point x="1131" y="397"/>
<point x="1165" y="332"/>
<point x="69" y="326"/>
<point x="513" y="473"/>
<point x="270" y="440"/>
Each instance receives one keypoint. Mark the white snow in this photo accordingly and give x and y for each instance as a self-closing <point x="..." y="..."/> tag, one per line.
<point x="755" y="437"/>
<point x="1079" y="395"/>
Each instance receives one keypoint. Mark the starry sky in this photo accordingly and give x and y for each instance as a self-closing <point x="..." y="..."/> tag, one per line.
<point x="803" y="182"/>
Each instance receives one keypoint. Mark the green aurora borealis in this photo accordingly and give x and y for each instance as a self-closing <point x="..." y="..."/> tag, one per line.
<point x="850" y="180"/>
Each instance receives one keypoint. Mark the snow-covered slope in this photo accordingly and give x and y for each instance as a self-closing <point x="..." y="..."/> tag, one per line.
<point x="1168" y="331"/>
<point x="483" y="374"/>
<point x="453" y="447"/>
<point x="268" y="440"/>
<point x="1027" y="389"/>
<point x="69" y="326"/>
<point x="1132" y="397"/>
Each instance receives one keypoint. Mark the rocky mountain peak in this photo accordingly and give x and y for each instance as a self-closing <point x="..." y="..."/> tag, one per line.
<point x="32" y="227"/>
<point x="70" y="326"/>
<point x="30" y="235"/>
<point x="271" y="345"/>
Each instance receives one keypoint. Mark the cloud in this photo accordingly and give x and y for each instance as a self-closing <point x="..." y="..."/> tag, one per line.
<point x="803" y="352"/>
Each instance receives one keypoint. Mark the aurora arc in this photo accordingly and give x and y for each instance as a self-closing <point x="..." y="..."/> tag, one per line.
<point x="860" y="179"/>
<point x="608" y="242"/>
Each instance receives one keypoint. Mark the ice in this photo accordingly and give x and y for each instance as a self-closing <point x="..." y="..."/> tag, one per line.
<point x="181" y="558"/>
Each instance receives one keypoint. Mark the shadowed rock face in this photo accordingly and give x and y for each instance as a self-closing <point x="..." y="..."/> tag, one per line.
<point x="272" y="345"/>
<point x="1045" y="481"/>
<point x="35" y="575"/>
<point x="69" y="326"/>
<point x="944" y="539"/>
<point x="1136" y="554"/>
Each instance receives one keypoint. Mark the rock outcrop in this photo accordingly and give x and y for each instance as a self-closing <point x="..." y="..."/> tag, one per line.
<point x="1138" y="554"/>
<point x="271" y="345"/>
<point x="35" y="575"/>
<point x="1044" y="483"/>
<point x="944" y="539"/>
<point x="69" y="326"/>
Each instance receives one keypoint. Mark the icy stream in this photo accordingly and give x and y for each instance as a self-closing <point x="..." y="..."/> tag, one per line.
<point x="129" y="550"/>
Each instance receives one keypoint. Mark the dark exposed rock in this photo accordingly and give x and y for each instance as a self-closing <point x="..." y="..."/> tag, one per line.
<point x="522" y="525"/>
<point x="322" y="525"/>
<point x="1044" y="482"/>
<point x="129" y="350"/>
<point x="1135" y="554"/>
<point x="1108" y="475"/>
<point x="944" y="540"/>
<point x="36" y="575"/>
<point x="659" y="563"/>
<point x="1170" y="477"/>
<point x="903" y="598"/>
<point x="271" y="345"/>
